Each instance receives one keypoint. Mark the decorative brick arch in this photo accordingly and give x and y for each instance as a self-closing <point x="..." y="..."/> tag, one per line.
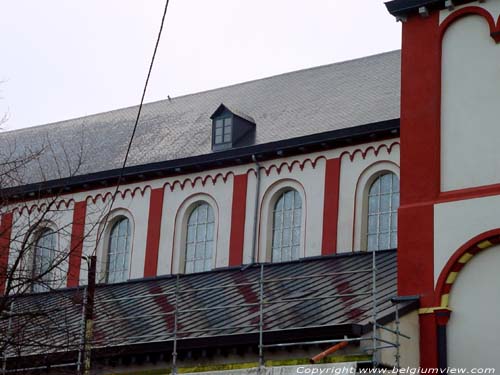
<point x="468" y="11"/>
<point x="459" y="259"/>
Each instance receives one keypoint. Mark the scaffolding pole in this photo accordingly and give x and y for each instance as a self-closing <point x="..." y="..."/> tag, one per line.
<point x="368" y="289"/>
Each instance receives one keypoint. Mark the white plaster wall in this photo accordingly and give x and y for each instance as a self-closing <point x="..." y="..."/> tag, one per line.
<point x="305" y="171"/>
<point x="472" y="330"/>
<point x="31" y="216"/>
<point x="138" y="208"/>
<point x="374" y="158"/>
<point x="310" y="183"/>
<point x="171" y="242"/>
<point x="470" y="113"/>
<point x="409" y="350"/>
<point x="455" y="223"/>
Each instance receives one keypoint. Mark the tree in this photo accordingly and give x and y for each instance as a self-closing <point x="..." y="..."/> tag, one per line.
<point x="36" y="259"/>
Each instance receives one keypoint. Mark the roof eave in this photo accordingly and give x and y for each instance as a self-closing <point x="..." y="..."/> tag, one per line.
<point x="404" y="8"/>
<point x="237" y="156"/>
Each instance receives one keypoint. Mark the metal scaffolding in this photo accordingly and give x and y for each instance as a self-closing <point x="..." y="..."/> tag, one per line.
<point x="179" y="296"/>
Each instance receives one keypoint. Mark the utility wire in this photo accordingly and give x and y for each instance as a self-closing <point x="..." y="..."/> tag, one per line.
<point x="90" y="289"/>
<point x="122" y="169"/>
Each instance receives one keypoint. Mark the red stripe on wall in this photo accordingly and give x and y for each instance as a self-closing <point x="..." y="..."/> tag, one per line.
<point x="154" y="230"/>
<point x="331" y="207"/>
<point x="76" y="245"/>
<point x="5" y="233"/>
<point x="420" y="169"/>
<point x="428" y="341"/>
<point x="238" y="211"/>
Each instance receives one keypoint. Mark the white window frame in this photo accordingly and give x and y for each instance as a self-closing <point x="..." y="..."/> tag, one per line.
<point x="193" y="240"/>
<point x="365" y="180"/>
<point x="279" y="227"/>
<point x="180" y="230"/>
<point x="268" y="202"/>
<point x="102" y="258"/>
<point x="49" y="280"/>
<point x="377" y="215"/>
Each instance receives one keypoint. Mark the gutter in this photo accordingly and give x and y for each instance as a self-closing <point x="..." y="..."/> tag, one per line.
<point x="256" y="210"/>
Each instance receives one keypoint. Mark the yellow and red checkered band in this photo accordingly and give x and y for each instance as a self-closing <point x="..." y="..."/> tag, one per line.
<point x="460" y="262"/>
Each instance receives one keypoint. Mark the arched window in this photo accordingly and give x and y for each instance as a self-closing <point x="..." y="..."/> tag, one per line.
<point x="200" y="239"/>
<point x="383" y="203"/>
<point x="117" y="262"/>
<point x="44" y="260"/>
<point x="287" y="219"/>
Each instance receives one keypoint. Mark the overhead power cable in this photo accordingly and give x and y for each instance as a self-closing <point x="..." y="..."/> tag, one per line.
<point x="136" y="123"/>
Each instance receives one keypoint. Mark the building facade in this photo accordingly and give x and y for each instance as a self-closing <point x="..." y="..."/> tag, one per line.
<point x="291" y="168"/>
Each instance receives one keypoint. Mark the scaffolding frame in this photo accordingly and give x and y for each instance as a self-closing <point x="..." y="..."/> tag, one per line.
<point x="179" y="294"/>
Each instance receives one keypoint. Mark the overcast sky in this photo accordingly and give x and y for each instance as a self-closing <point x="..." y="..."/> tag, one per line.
<point x="61" y="59"/>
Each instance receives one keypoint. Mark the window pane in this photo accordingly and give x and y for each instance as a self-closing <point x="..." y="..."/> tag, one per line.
<point x="218" y="123"/>
<point x="210" y="215"/>
<point x="394" y="240"/>
<point x="373" y="204"/>
<point x="386" y="182"/>
<point x="198" y="265"/>
<point x="372" y="224"/>
<point x="191" y="233"/>
<point x="297" y="200"/>
<point x="189" y="267"/>
<point x="395" y="183"/>
<point x="395" y="201"/>
<point x="201" y="232"/>
<point x="296" y="236"/>
<point x="384" y="222"/>
<point x="208" y="265"/>
<point x="190" y="252"/>
<point x="288" y="200"/>
<point x="287" y="253"/>
<point x="218" y="131"/>
<point x="287" y="219"/>
<point x="286" y="237"/>
<point x="372" y="242"/>
<point x="385" y="202"/>
<point x="227" y="121"/>
<point x="227" y="138"/>
<point x="208" y="250"/>
<point x="218" y="139"/>
<point x="200" y="250"/>
<point x="202" y="213"/>
<point x="278" y="218"/>
<point x="279" y="204"/>
<point x="210" y="231"/>
<point x="297" y="217"/>
<point x="375" y="189"/>
<point x="277" y="238"/>
<point x="383" y="240"/>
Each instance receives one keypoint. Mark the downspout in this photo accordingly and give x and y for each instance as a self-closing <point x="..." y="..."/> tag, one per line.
<point x="256" y="211"/>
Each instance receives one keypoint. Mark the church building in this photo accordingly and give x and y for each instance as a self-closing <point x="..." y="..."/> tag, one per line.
<point x="342" y="216"/>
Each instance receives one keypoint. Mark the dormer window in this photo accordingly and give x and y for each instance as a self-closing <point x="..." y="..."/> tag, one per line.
<point x="231" y="129"/>
<point x="223" y="131"/>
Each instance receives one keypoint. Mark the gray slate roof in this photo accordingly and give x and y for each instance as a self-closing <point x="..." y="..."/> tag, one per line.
<point x="213" y="304"/>
<point x="289" y="105"/>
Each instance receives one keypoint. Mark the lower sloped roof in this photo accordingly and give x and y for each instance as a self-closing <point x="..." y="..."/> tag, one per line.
<point x="306" y="295"/>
